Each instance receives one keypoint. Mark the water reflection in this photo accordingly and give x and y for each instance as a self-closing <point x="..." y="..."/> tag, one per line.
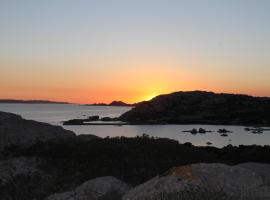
<point x="55" y="114"/>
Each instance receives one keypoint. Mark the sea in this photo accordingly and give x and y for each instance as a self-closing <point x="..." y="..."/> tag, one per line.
<point x="55" y="114"/>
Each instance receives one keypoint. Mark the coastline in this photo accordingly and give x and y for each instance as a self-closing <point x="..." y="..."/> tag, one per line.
<point x="191" y="123"/>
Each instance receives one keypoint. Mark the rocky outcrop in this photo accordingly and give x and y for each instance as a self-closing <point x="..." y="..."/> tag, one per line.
<point x="201" y="107"/>
<point x="105" y="188"/>
<point x="11" y="168"/>
<point x="22" y="178"/>
<point x="244" y="181"/>
<point x="92" y="120"/>
<point x="14" y="130"/>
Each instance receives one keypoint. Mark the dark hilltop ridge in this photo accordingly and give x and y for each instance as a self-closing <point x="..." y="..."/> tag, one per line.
<point x="40" y="161"/>
<point x="199" y="107"/>
<point x="119" y="103"/>
<point x="31" y="101"/>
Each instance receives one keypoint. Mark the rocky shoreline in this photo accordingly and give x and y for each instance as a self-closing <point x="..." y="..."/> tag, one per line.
<point x="195" y="107"/>
<point x="40" y="161"/>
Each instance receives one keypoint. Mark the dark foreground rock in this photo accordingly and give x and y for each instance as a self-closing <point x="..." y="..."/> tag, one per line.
<point x="46" y="166"/>
<point x="11" y="168"/>
<point x="103" y="188"/>
<point x="249" y="181"/>
<point x="14" y="130"/>
<point x="57" y="166"/>
<point x="201" y="108"/>
<point x="22" y="178"/>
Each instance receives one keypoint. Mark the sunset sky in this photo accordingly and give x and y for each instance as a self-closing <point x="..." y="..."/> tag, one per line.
<point x="87" y="51"/>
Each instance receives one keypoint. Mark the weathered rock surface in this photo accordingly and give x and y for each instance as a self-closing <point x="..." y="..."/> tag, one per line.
<point x="244" y="181"/>
<point x="18" y="166"/>
<point x="16" y="130"/>
<point x="106" y="188"/>
<point x="201" y="107"/>
<point x="22" y="178"/>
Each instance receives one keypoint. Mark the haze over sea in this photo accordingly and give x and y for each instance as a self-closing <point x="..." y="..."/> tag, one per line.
<point x="57" y="113"/>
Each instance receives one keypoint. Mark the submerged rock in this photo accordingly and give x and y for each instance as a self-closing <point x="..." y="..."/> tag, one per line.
<point x="201" y="130"/>
<point x="108" y="119"/>
<point x="224" y="135"/>
<point x="223" y="130"/>
<point x="93" y="118"/>
<point x="74" y="122"/>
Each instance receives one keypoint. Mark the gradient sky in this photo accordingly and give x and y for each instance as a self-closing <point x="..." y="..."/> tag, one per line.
<point x="97" y="51"/>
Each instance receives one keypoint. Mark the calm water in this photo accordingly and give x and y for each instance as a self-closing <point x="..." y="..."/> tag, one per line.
<point x="56" y="113"/>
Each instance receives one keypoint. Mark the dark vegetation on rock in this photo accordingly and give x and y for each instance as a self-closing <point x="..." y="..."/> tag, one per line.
<point x="38" y="159"/>
<point x="201" y="108"/>
<point x="68" y="163"/>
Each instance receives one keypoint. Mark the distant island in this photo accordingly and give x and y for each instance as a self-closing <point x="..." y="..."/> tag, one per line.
<point x="193" y="107"/>
<point x="31" y="101"/>
<point x="200" y="107"/>
<point x="113" y="103"/>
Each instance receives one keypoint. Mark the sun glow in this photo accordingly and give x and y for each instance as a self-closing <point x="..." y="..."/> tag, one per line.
<point x="149" y="97"/>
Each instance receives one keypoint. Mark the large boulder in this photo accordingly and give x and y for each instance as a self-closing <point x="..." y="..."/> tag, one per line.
<point x="14" y="130"/>
<point x="104" y="188"/>
<point x="245" y="181"/>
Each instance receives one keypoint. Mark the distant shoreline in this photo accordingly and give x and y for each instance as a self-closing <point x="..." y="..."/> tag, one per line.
<point x="31" y="101"/>
<point x="162" y="124"/>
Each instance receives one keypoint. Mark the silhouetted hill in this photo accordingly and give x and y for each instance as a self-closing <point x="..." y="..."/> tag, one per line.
<point x="201" y="107"/>
<point x="16" y="130"/>
<point x="31" y="101"/>
<point x="113" y="103"/>
<point x="119" y="103"/>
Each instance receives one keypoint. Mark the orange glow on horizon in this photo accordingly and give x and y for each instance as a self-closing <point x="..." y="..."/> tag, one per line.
<point x="82" y="98"/>
<point x="129" y="81"/>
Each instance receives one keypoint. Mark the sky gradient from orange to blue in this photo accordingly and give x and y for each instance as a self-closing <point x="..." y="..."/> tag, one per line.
<point x="88" y="51"/>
